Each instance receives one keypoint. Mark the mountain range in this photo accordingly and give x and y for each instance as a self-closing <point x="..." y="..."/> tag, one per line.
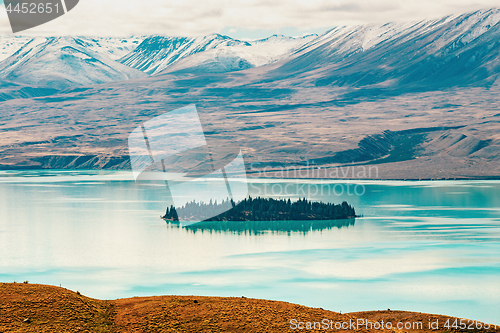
<point x="62" y="62"/>
<point x="416" y="99"/>
<point x="424" y="55"/>
<point x="75" y="61"/>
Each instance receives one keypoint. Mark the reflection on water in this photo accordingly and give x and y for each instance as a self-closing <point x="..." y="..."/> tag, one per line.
<point x="420" y="246"/>
<point x="259" y="227"/>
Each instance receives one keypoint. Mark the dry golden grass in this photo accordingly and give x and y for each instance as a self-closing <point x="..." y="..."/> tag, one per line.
<point x="40" y="308"/>
<point x="51" y="309"/>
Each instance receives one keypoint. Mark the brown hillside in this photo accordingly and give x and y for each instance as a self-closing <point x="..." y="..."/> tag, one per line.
<point x="40" y="308"/>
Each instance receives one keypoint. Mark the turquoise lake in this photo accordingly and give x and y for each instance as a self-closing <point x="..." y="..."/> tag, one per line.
<point x="428" y="246"/>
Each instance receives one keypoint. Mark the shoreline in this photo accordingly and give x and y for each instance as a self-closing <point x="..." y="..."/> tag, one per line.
<point x="28" y="307"/>
<point x="250" y="178"/>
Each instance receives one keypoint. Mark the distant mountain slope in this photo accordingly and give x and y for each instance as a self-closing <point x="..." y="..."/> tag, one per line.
<point x="233" y="58"/>
<point x="431" y="54"/>
<point x="113" y="47"/>
<point x="417" y="100"/>
<point x="10" y="44"/>
<point x="213" y="53"/>
<point x="9" y="90"/>
<point x="278" y="44"/>
<point x="61" y="62"/>
<point x="156" y="53"/>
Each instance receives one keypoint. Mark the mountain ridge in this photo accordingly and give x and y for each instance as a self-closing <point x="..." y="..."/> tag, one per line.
<point x="417" y="53"/>
<point x="62" y="62"/>
<point x="418" y="100"/>
<point x="167" y="51"/>
<point x="148" y="54"/>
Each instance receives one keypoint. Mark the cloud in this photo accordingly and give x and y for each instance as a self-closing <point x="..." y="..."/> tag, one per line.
<point x="201" y="17"/>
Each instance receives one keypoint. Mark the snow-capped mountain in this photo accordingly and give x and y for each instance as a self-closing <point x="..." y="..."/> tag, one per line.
<point x="279" y="45"/>
<point x="418" y="99"/>
<point x="113" y="47"/>
<point x="237" y="57"/>
<point x="60" y="62"/>
<point x="212" y="53"/>
<point x="156" y="53"/>
<point x="69" y="61"/>
<point x="453" y="50"/>
<point x="10" y="44"/>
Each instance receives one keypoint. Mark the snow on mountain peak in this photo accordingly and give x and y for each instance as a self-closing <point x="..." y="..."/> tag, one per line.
<point x="382" y="48"/>
<point x="10" y="44"/>
<point x="158" y="52"/>
<point x="440" y="52"/>
<point x="61" y="62"/>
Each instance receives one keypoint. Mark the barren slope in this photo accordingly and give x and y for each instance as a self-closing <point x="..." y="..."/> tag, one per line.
<point x="40" y="308"/>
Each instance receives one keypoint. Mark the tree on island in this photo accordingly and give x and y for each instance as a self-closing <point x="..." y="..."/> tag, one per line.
<point x="260" y="209"/>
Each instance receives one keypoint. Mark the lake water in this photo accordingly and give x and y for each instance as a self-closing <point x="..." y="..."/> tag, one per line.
<point x="421" y="246"/>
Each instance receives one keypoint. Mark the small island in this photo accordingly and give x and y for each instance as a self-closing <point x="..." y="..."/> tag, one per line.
<point x="261" y="209"/>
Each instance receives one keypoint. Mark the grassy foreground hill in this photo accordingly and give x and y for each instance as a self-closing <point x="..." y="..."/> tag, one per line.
<point x="41" y="308"/>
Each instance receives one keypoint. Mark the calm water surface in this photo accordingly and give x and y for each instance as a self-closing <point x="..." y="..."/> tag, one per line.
<point x="420" y="246"/>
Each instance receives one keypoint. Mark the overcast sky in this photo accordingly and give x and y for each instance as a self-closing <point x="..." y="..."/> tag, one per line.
<point x="238" y="18"/>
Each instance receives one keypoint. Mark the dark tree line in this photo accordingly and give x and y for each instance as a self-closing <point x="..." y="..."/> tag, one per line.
<point x="261" y="209"/>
